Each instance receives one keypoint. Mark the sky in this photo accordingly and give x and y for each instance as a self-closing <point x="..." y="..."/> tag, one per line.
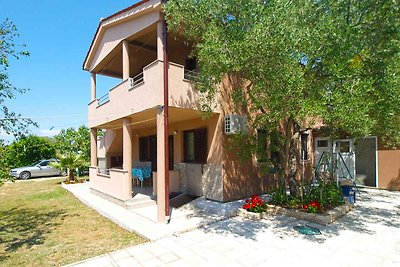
<point x="58" y="35"/>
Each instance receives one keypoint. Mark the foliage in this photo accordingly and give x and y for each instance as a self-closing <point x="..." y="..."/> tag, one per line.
<point x="296" y="63"/>
<point x="4" y="168"/>
<point x="70" y="162"/>
<point x="312" y="207"/>
<point x="11" y="122"/>
<point x="29" y="149"/>
<point x="23" y="152"/>
<point x="255" y="204"/>
<point x="74" y="142"/>
<point x="325" y="195"/>
<point x="74" y="149"/>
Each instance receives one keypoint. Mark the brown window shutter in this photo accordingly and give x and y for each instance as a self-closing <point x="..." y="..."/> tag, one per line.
<point x="201" y="145"/>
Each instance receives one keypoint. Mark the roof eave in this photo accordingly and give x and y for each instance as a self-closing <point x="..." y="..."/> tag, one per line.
<point x="86" y="65"/>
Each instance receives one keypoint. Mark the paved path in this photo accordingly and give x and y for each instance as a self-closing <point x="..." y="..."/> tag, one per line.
<point x="368" y="236"/>
<point x="143" y="220"/>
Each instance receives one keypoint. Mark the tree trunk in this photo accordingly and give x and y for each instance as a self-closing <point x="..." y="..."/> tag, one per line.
<point x="71" y="175"/>
<point x="287" y="130"/>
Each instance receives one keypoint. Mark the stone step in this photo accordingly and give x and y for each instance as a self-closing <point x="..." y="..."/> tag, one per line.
<point x="140" y="202"/>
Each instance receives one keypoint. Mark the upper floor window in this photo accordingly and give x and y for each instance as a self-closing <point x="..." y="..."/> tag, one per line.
<point x="191" y="69"/>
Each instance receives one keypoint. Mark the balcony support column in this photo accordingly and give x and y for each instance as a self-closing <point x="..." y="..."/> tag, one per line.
<point x="92" y="86"/>
<point x="93" y="147"/>
<point x="161" y="194"/>
<point x="127" y="139"/>
<point x="160" y="40"/>
<point x="162" y="128"/>
<point x="125" y="60"/>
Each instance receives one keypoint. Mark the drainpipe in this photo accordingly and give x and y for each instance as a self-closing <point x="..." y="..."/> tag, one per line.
<point x="166" y="125"/>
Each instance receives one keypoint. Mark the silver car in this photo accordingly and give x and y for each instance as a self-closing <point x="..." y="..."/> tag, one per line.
<point x="38" y="169"/>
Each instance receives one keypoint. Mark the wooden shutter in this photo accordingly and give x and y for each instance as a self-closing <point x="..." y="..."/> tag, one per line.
<point x="200" y="150"/>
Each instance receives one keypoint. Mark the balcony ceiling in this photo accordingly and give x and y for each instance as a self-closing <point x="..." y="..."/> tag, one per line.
<point x="147" y="118"/>
<point x="143" y="51"/>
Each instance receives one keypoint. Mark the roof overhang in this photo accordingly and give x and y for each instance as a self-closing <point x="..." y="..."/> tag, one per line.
<point x="93" y="57"/>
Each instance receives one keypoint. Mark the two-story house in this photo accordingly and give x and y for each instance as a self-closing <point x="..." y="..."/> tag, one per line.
<point x="129" y="45"/>
<point x="132" y="45"/>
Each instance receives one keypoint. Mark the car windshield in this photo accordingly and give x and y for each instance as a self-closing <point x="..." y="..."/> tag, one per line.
<point x="36" y="163"/>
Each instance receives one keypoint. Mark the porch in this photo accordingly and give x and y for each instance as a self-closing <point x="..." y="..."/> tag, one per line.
<point x="131" y="145"/>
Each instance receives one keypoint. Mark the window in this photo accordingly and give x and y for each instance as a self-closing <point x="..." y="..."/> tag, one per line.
<point x="44" y="163"/>
<point x="344" y="146"/>
<point x="191" y="64"/>
<point x="304" y="146"/>
<point x="195" y="146"/>
<point x="322" y="143"/>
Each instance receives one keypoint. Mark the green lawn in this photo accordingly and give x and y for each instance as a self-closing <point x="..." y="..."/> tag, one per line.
<point x="41" y="224"/>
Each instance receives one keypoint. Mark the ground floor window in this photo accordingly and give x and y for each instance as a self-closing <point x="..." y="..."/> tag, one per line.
<point x="304" y="146"/>
<point x="195" y="146"/>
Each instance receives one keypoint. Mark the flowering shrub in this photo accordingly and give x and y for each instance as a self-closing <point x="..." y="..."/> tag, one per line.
<point x="313" y="207"/>
<point x="255" y="204"/>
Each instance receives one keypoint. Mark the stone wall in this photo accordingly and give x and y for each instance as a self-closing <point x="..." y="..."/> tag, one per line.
<point x="201" y="180"/>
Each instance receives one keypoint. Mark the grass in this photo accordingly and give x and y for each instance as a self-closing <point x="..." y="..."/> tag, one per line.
<point x="41" y="224"/>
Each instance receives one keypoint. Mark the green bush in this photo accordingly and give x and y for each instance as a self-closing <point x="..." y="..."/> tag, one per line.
<point x="328" y="195"/>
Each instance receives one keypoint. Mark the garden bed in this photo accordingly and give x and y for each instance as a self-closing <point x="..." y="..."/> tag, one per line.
<point x="323" y="218"/>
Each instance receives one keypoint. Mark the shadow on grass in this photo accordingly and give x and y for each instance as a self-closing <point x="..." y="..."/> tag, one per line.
<point x="22" y="227"/>
<point x="368" y="211"/>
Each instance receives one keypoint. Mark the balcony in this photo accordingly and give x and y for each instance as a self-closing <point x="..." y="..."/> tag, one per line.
<point x="143" y="92"/>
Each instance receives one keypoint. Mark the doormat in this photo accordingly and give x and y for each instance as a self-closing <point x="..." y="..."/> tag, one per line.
<point x="307" y="230"/>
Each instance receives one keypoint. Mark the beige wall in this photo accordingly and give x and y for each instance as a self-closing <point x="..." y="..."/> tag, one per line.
<point x="117" y="185"/>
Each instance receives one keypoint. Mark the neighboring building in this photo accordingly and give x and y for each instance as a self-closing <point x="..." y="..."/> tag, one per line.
<point x="129" y="45"/>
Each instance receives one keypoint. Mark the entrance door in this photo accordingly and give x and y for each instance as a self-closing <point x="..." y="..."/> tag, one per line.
<point x="153" y="152"/>
<point x="347" y="166"/>
<point x="322" y="144"/>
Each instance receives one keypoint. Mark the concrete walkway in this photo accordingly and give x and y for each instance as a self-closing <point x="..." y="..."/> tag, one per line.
<point x="368" y="236"/>
<point x="143" y="220"/>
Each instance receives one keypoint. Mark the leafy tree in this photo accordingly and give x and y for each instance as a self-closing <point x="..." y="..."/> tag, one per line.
<point x="291" y="64"/>
<point x="23" y="152"/>
<point x="74" y="141"/>
<point x="28" y="150"/>
<point x="73" y="148"/>
<point x="70" y="162"/>
<point x="10" y="122"/>
<point x="4" y="168"/>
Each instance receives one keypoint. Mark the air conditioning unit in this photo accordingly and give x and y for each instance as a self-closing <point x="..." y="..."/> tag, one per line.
<point x="235" y="124"/>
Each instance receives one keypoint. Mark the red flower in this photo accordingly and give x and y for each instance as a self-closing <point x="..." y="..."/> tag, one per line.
<point x="247" y="200"/>
<point x="246" y="206"/>
<point x="305" y="207"/>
